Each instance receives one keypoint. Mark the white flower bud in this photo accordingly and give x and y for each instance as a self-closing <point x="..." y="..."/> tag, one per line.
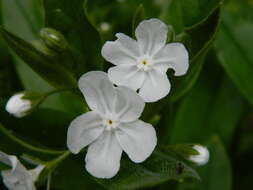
<point x="104" y="26"/>
<point x="17" y="106"/>
<point x="202" y="158"/>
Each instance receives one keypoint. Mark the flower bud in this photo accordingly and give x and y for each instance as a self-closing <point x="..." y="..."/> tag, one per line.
<point x="202" y="157"/>
<point x="18" y="106"/>
<point x="53" y="39"/>
<point x="105" y="27"/>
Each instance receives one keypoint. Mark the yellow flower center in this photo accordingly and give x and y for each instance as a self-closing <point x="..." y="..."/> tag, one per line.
<point x="144" y="62"/>
<point x="109" y="122"/>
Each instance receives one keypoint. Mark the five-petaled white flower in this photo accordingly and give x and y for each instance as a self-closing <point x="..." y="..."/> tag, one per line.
<point x="143" y="64"/>
<point x="202" y="158"/>
<point x="18" y="106"/>
<point x="18" y="177"/>
<point x="111" y="126"/>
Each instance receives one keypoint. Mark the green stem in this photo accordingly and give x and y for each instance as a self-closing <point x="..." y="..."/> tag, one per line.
<point x="51" y="165"/>
<point x="46" y="95"/>
<point x="26" y="145"/>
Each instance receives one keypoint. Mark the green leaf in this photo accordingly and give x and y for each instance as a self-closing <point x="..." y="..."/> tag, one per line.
<point x="69" y="18"/>
<point x="28" y="14"/>
<point x="30" y="18"/>
<point x="186" y="13"/>
<point x="55" y="74"/>
<point x="234" y="45"/>
<point x="217" y="173"/>
<point x="158" y="168"/>
<point x="12" y="144"/>
<point x="209" y="108"/>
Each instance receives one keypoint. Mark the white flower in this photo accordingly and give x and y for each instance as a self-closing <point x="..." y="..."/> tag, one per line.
<point x="202" y="158"/>
<point x="17" y="106"/>
<point x="18" y="178"/>
<point x="143" y="64"/>
<point x="111" y="126"/>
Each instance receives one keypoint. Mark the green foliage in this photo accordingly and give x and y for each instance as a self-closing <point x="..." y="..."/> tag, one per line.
<point x="70" y="19"/>
<point x="207" y="109"/>
<point x="198" y="47"/>
<point x="159" y="168"/>
<point x="187" y="13"/>
<point x="210" y="105"/>
<point x="54" y="73"/>
<point x="234" y="51"/>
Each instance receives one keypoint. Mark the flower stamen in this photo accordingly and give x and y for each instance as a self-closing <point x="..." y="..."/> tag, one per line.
<point x="144" y="64"/>
<point x="110" y="124"/>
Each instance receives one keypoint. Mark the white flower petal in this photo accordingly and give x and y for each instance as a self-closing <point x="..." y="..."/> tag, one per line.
<point x="83" y="130"/>
<point x="137" y="139"/>
<point x="18" y="180"/>
<point x="103" y="156"/>
<point x="98" y="91"/>
<point x="35" y="173"/>
<point x="151" y="35"/>
<point x="128" y="105"/>
<point x="11" y="161"/>
<point x="18" y="177"/>
<point x="173" y="56"/>
<point x="126" y="75"/>
<point x="155" y="86"/>
<point x="122" y="51"/>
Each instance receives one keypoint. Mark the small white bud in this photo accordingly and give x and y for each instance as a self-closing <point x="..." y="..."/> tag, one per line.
<point x="17" y="106"/>
<point x="202" y="158"/>
<point x="104" y="26"/>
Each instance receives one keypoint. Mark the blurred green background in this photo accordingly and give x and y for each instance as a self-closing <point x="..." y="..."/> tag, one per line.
<point x="211" y="105"/>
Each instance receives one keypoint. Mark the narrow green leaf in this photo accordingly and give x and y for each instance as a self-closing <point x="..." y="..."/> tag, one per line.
<point x="234" y="45"/>
<point x="43" y="65"/>
<point x="28" y="14"/>
<point x="69" y="18"/>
